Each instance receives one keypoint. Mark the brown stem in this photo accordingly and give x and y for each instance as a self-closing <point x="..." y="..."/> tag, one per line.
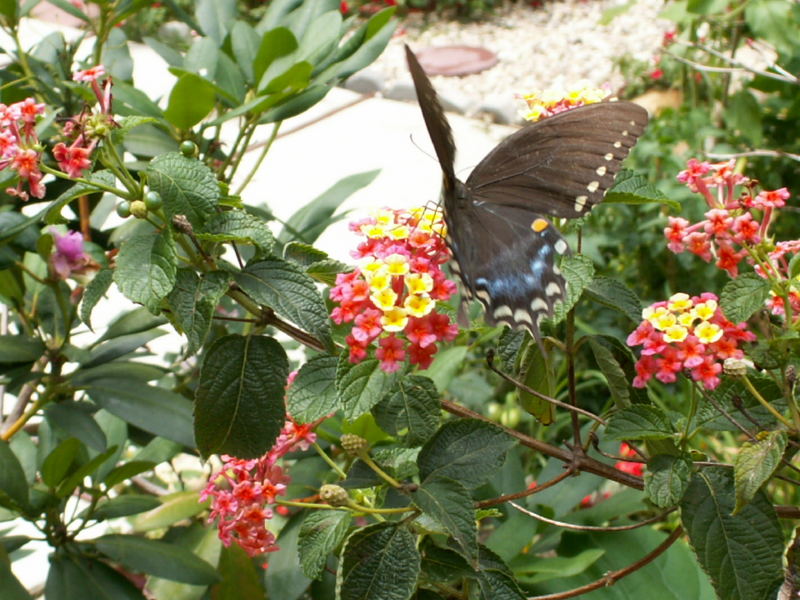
<point x="84" y="213"/>
<point x="528" y="492"/>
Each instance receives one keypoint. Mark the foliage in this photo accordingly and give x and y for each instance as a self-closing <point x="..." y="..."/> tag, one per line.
<point x="336" y="413"/>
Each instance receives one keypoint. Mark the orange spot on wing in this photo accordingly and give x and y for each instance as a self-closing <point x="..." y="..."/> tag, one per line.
<point x="539" y="225"/>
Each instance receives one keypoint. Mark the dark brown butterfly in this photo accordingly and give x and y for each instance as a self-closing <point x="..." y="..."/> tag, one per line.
<point x="504" y="247"/>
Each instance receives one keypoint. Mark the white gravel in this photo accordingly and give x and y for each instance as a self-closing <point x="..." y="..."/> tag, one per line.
<point x="556" y="45"/>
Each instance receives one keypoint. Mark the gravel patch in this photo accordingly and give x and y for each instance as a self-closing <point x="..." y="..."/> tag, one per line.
<point x="558" y="44"/>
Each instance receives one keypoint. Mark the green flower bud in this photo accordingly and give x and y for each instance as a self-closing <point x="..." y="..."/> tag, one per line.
<point x="124" y="209"/>
<point x="152" y="200"/>
<point x="138" y="209"/>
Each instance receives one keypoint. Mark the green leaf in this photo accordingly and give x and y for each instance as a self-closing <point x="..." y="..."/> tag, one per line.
<point x="78" y="577"/>
<point x="138" y="320"/>
<point x="754" y="464"/>
<point x="119" y="346"/>
<point x="320" y="535"/>
<point x="379" y="562"/>
<point x="13" y="485"/>
<point x="146" y="267"/>
<point x="615" y="295"/>
<point x="57" y="464"/>
<point x="449" y="503"/>
<point x="127" y="470"/>
<point x="151" y="408"/>
<point x="578" y="270"/>
<point x="172" y="509"/>
<point x="411" y="410"/>
<point x="70" y="8"/>
<point x="466" y="450"/>
<point x="128" y="123"/>
<point x="79" y="189"/>
<point x="193" y="301"/>
<point x="446" y="364"/>
<point x="556" y="567"/>
<point x="190" y="101"/>
<point x="743" y="116"/>
<point x="495" y="578"/>
<point x="215" y="17"/>
<point x="276" y="43"/>
<point x="238" y="226"/>
<point x="10" y="587"/>
<point x="204" y="543"/>
<point x="666" y="479"/>
<point x="19" y="349"/>
<point x="639" y="422"/>
<point x="291" y="293"/>
<point x="9" y="9"/>
<point x="294" y="79"/>
<point x="286" y="579"/>
<point x="241" y="578"/>
<point x="239" y="406"/>
<point x="187" y="186"/>
<point x="313" y="393"/>
<point x="123" y="506"/>
<point x="157" y="558"/>
<point x="742" y="553"/>
<point x="292" y="104"/>
<point x="536" y="372"/>
<point x="742" y="296"/>
<point x="94" y="291"/>
<point x="614" y="373"/>
<point x="75" y="421"/>
<point x="773" y="21"/>
<point x="361" y="386"/>
<point x="244" y="43"/>
<point x="75" y="479"/>
<point x="631" y="188"/>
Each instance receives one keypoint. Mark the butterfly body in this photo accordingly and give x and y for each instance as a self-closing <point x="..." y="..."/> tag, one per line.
<point x="503" y="243"/>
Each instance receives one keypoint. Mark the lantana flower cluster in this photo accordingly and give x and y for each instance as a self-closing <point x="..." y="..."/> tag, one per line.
<point x="629" y="466"/>
<point x="20" y="149"/>
<point x="391" y="296"/>
<point x="546" y="103"/>
<point x="737" y="218"/>
<point x="686" y="334"/>
<point x="242" y="491"/>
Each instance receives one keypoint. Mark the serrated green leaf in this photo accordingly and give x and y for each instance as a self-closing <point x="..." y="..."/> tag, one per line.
<point x="379" y="562"/>
<point x="146" y="268"/>
<point x="131" y="122"/>
<point x="13" y="485"/>
<point x="442" y="565"/>
<point x="666" y="479"/>
<point x="495" y="578"/>
<point x="361" y="386"/>
<point x="193" y="302"/>
<point x="630" y="188"/>
<point x="411" y="410"/>
<point x="536" y="372"/>
<point x="449" y="503"/>
<point x="614" y="373"/>
<point x="639" y="422"/>
<point x="192" y="98"/>
<point x="320" y="535"/>
<point x="754" y="464"/>
<point x="157" y="558"/>
<point x="239" y="407"/>
<point x="187" y="186"/>
<point x="578" y="271"/>
<point x="468" y="450"/>
<point x="615" y="295"/>
<point x="508" y="348"/>
<point x="290" y="292"/>
<point x="742" y="296"/>
<point x="742" y="553"/>
<point x="313" y="392"/>
<point x="94" y="291"/>
<point x="238" y="226"/>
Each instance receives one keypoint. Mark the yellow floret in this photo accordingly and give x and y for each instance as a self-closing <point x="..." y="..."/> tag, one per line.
<point x="676" y="333"/>
<point x="419" y="305"/>
<point x="385" y="299"/>
<point x="373" y="231"/>
<point x="380" y="281"/>
<point x="400" y="232"/>
<point x="419" y="283"/>
<point x="680" y="302"/>
<point x="384" y="217"/>
<point x="397" y="264"/>
<point x="394" y="319"/>
<point x="705" y="310"/>
<point x="708" y="332"/>
<point x="662" y="319"/>
<point x="686" y="319"/>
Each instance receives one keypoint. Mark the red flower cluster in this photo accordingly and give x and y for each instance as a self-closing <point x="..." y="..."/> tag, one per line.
<point x="626" y="466"/>
<point x="686" y="334"/>
<point x="730" y="227"/>
<point x="242" y="490"/>
<point x="391" y="296"/>
<point x="19" y="146"/>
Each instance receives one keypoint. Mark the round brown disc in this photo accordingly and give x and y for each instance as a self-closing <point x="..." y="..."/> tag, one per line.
<point x="456" y="60"/>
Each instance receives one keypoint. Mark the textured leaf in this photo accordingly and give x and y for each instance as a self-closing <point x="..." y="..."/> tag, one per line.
<point x="536" y="372"/>
<point x="495" y="578"/>
<point x="193" y="301"/>
<point x="466" y="450"/>
<point x="666" y="479"/>
<point x="639" y="422"/>
<point x="172" y="509"/>
<point x="615" y="295"/>
<point x="20" y="349"/>
<point x="146" y="267"/>
<point x="95" y="290"/>
<point x="239" y="407"/>
<point x="157" y="558"/>
<point x="320" y="535"/>
<point x="412" y="410"/>
<point x="755" y="463"/>
<point x="449" y="503"/>
<point x="238" y="226"/>
<point x="187" y="186"/>
<point x="313" y="392"/>
<point x="241" y="578"/>
<point x="578" y="271"/>
<point x="743" y="296"/>
<point x="361" y="386"/>
<point x="630" y="188"/>
<point x="379" y="562"/>
<point x="290" y="292"/>
<point x="741" y="553"/>
<point x="613" y="371"/>
<point x="151" y="408"/>
<point x="442" y="565"/>
<point x="13" y="485"/>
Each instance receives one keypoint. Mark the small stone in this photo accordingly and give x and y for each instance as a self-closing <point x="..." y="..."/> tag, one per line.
<point x="367" y="81"/>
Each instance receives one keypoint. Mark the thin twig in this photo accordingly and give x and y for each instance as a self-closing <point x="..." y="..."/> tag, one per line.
<point x="576" y="527"/>
<point x="569" y="470"/>
<point x="770" y="153"/>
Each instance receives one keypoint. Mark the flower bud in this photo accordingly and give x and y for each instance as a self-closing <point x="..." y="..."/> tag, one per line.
<point x="353" y="444"/>
<point x="334" y="495"/>
<point x="735" y="367"/>
<point x="139" y="209"/>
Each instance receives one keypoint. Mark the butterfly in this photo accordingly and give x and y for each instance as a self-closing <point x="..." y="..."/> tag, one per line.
<point x="504" y="246"/>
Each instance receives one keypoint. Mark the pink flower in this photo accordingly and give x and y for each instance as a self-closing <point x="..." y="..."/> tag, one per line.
<point x="73" y="160"/>
<point x="69" y="255"/>
<point x="89" y="75"/>
<point x="390" y="353"/>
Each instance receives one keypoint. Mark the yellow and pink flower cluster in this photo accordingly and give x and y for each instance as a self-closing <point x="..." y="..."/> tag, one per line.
<point x="686" y="333"/>
<point x="546" y="103"/>
<point x="391" y="296"/>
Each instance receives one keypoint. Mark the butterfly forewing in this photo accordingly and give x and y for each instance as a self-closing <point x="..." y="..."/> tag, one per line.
<point x="503" y="247"/>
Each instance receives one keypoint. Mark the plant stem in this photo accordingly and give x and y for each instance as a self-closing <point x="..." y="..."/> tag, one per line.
<point x="261" y="157"/>
<point x="329" y="460"/>
<point x="748" y="384"/>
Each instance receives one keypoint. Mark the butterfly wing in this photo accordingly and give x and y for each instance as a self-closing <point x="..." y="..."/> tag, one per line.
<point x="563" y="165"/>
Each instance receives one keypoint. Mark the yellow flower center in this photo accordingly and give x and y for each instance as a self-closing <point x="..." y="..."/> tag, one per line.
<point x="395" y="319"/>
<point x="385" y="299"/>
<point x="708" y="333"/>
<point x="419" y="305"/>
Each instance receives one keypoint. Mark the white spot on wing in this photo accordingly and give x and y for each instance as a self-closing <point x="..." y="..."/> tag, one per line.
<point x="617" y="144"/>
<point x="580" y="203"/>
<point x="538" y="305"/>
<point x="609" y="156"/>
<point x="483" y="295"/>
<point x="552" y="289"/>
<point x="592" y="187"/>
<point x="521" y="315"/>
<point x="502" y="311"/>
<point x="561" y="246"/>
<point x="601" y="171"/>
